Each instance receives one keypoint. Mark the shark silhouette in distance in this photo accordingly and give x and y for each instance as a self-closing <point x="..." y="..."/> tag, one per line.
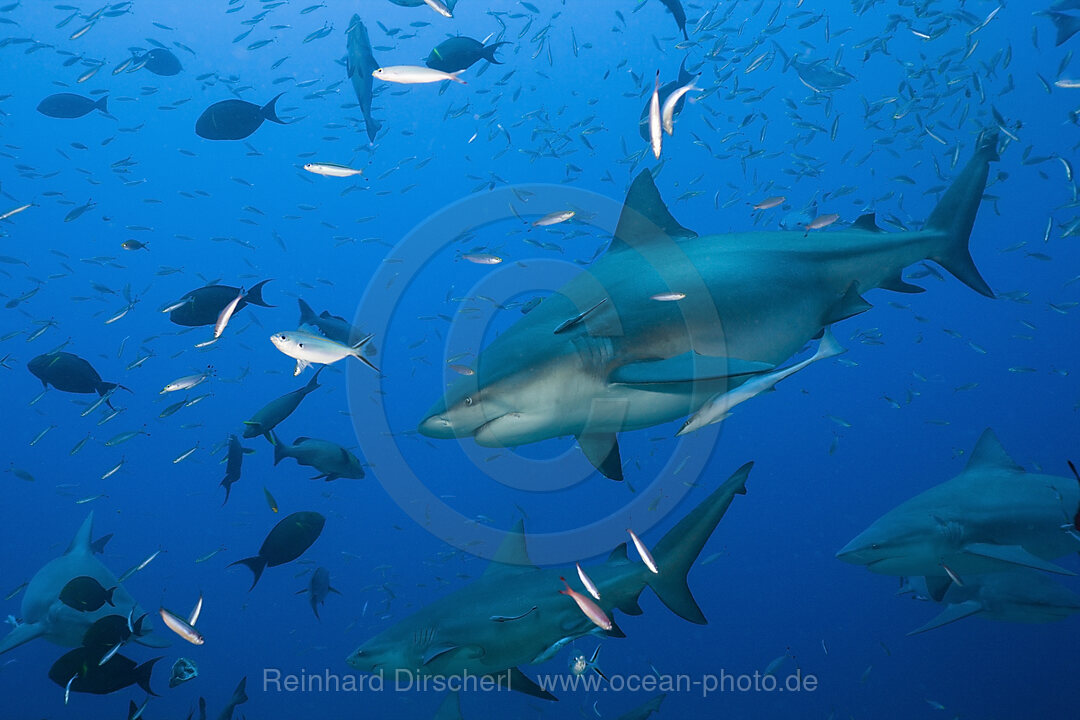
<point x="514" y="614"/>
<point x="603" y="355"/>
<point x="992" y="517"/>
<point x="359" y="65"/>
<point x="1016" y="596"/>
<point x="44" y="615"/>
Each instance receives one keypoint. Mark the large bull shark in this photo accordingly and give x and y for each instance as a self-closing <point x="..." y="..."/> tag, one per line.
<point x="45" y="616"/>
<point x="514" y="614"/>
<point x="603" y="355"/>
<point x="992" y="517"/>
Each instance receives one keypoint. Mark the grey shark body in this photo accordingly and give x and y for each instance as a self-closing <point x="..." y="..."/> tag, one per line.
<point x="602" y="355"/>
<point x="992" y="517"/>
<point x="44" y="615"/>
<point x="514" y="614"/>
<point x="1015" y="596"/>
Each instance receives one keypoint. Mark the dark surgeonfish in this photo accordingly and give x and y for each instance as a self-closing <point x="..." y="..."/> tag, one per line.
<point x="360" y="64"/>
<point x="235" y="119"/>
<point x="330" y="459"/>
<point x="112" y="630"/>
<point x="233" y="462"/>
<point x="69" y="373"/>
<point x="204" y="305"/>
<point x="318" y="589"/>
<point x="86" y="594"/>
<point x="69" y="105"/>
<point x="289" y="539"/>
<point x="675" y="8"/>
<point x="333" y="327"/>
<point x="665" y="90"/>
<point x="79" y="671"/>
<point x="270" y="415"/>
<point x="158" y="61"/>
<point x="461" y="53"/>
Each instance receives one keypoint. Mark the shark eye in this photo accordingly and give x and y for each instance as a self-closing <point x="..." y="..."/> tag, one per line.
<point x="468" y="401"/>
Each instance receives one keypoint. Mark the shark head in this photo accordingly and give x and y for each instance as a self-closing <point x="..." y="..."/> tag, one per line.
<point x="885" y="547"/>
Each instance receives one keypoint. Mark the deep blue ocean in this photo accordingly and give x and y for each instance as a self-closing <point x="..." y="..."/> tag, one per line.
<point x="454" y="171"/>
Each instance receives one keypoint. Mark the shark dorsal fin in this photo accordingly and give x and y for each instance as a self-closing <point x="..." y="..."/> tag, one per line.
<point x="989" y="453"/>
<point x="512" y="556"/>
<point x="867" y="222"/>
<point x="644" y="216"/>
<point x="81" y="544"/>
<point x="618" y="554"/>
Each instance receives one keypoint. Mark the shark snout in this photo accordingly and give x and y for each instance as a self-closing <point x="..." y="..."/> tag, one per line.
<point x="437" y="426"/>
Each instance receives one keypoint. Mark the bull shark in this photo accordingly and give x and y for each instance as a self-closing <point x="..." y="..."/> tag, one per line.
<point x="1018" y="596"/>
<point x="45" y="616"/>
<point x="992" y="517"/>
<point x="603" y="355"/>
<point x="514" y="614"/>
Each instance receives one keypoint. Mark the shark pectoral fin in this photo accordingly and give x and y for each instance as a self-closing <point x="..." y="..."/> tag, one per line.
<point x="615" y="631"/>
<point x="937" y="586"/>
<point x="602" y="450"/>
<point x="1014" y="555"/>
<point x="688" y="367"/>
<point x="20" y="634"/>
<point x="851" y="304"/>
<point x="517" y="680"/>
<point x="458" y="652"/>
<point x="951" y="614"/>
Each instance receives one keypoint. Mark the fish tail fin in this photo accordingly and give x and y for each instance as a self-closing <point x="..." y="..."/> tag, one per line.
<point x="679" y="548"/>
<point x="954" y="216"/>
<point x="279" y="450"/>
<point x="360" y="356"/>
<point x="307" y="315"/>
<point x="454" y="76"/>
<point x="488" y="52"/>
<point x="228" y="487"/>
<point x="102" y="104"/>
<point x="109" y="593"/>
<point x="239" y="695"/>
<point x="255" y="564"/>
<point x="269" y="111"/>
<point x="104" y="388"/>
<point x="254" y="295"/>
<point x="142" y="675"/>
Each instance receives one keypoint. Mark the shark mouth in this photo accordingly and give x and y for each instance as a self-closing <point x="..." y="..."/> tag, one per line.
<point x="488" y="434"/>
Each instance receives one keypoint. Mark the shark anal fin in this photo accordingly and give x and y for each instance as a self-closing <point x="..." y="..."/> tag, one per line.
<point x="937" y="586"/>
<point x="1014" y="555"/>
<point x="517" y="680"/>
<point x="898" y="284"/>
<point x="851" y="304"/>
<point x="602" y="450"/>
<point x="951" y="614"/>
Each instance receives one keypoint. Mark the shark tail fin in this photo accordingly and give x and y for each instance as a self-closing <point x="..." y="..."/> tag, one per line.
<point x="254" y="295"/>
<point x="954" y="216"/>
<point x="255" y="564"/>
<point x="142" y="674"/>
<point x="239" y="695"/>
<point x="677" y="551"/>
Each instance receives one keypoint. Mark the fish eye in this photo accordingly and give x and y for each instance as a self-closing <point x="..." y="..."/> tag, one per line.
<point x="468" y="400"/>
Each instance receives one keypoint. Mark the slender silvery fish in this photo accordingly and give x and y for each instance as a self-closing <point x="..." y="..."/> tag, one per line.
<point x="226" y="314"/>
<point x="306" y="349"/>
<point x="667" y="114"/>
<point x="587" y="582"/>
<point x="185" y="383"/>
<point x="554" y="218"/>
<point x="414" y="75"/>
<point x="182" y="627"/>
<point x="332" y="169"/>
<point x="439" y="7"/>
<point x="646" y="556"/>
<point x="656" y="134"/>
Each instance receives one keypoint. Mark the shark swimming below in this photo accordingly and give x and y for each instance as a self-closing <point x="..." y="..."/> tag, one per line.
<point x="1017" y="596"/>
<point x="44" y="615"/>
<point x="514" y="614"/>
<point x="992" y="517"/>
<point x="603" y="355"/>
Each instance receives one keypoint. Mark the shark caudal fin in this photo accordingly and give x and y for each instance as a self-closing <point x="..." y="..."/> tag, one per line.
<point x="955" y="216"/>
<point x="677" y="551"/>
